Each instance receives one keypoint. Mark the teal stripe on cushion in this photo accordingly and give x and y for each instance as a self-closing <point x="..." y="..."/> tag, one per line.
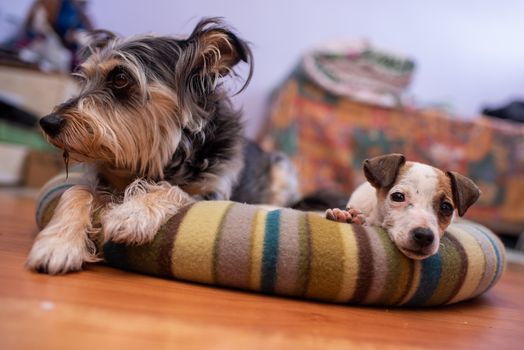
<point x="429" y="280"/>
<point x="270" y="252"/>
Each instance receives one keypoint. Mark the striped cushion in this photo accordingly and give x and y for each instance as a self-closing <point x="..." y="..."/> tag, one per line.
<point x="301" y="254"/>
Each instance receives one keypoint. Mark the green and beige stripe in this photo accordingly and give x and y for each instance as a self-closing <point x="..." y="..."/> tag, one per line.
<point x="301" y="254"/>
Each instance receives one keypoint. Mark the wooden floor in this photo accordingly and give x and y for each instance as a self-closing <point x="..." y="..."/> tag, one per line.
<point x="104" y="307"/>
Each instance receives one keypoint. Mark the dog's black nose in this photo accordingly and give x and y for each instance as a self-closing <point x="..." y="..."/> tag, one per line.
<point x="422" y="236"/>
<point x="52" y="124"/>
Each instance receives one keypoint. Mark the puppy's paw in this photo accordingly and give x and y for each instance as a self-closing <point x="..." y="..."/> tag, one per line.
<point x="337" y="215"/>
<point x="52" y="253"/>
<point x="349" y="216"/>
<point x="356" y="216"/>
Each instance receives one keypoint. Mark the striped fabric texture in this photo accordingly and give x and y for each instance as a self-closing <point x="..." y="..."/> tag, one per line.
<point x="301" y="254"/>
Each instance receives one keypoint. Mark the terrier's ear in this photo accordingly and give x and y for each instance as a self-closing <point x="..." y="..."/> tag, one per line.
<point x="382" y="171"/>
<point x="94" y="41"/>
<point x="464" y="190"/>
<point x="217" y="50"/>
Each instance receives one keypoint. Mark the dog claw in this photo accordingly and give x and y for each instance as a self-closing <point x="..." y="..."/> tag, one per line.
<point x="357" y="217"/>
<point x="338" y="215"/>
<point x="349" y="216"/>
<point x="41" y="269"/>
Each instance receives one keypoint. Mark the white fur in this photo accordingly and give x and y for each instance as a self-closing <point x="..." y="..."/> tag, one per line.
<point x="419" y="185"/>
<point x="365" y="200"/>
<point x="146" y="207"/>
<point x="64" y="245"/>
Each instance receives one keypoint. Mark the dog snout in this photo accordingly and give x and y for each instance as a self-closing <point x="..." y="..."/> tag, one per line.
<point x="52" y="124"/>
<point x="422" y="236"/>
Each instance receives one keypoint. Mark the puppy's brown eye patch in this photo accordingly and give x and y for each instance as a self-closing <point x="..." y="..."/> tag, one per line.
<point x="446" y="208"/>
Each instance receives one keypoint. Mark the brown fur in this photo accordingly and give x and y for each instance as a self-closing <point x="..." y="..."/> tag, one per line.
<point x="444" y="193"/>
<point x="382" y="171"/>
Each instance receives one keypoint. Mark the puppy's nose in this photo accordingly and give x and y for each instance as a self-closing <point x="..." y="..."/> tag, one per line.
<point x="422" y="236"/>
<point x="52" y="124"/>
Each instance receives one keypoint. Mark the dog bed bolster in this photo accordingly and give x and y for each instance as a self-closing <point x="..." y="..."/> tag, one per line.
<point x="301" y="254"/>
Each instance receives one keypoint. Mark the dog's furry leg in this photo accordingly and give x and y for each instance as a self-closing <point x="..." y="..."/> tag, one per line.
<point x="64" y="244"/>
<point x="146" y="207"/>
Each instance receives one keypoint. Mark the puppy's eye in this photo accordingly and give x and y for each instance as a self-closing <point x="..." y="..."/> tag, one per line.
<point x="397" y="197"/>
<point x="120" y="81"/>
<point x="446" y="208"/>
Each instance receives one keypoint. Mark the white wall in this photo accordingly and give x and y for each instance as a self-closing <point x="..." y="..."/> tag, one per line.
<point x="468" y="53"/>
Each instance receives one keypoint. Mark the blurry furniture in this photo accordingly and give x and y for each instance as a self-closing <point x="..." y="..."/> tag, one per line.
<point x="36" y="91"/>
<point x="328" y="137"/>
<point x="51" y="35"/>
<point x="26" y="158"/>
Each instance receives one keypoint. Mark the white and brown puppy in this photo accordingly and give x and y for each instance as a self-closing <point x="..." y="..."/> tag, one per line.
<point x="414" y="202"/>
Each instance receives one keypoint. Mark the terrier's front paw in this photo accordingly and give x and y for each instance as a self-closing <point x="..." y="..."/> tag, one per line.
<point x="350" y="216"/>
<point x="129" y="223"/>
<point x="145" y="208"/>
<point x="52" y="253"/>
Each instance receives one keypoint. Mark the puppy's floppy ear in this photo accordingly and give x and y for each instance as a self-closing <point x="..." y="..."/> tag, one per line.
<point x="214" y="50"/>
<point x="465" y="192"/>
<point x="382" y="171"/>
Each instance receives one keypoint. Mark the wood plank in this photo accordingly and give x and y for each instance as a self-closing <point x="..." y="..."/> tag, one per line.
<point x="105" y="307"/>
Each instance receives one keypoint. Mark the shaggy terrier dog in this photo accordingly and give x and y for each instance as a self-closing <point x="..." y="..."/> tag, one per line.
<point x="157" y="131"/>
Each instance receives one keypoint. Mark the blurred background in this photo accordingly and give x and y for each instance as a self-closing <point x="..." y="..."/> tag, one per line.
<point x="335" y="82"/>
<point x="467" y="53"/>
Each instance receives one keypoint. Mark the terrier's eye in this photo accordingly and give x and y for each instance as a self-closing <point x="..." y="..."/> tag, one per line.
<point x="397" y="197"/>
<point x="446" y="208"/>
<point x="120" y="81"/>
<point x="79" y="78"/>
